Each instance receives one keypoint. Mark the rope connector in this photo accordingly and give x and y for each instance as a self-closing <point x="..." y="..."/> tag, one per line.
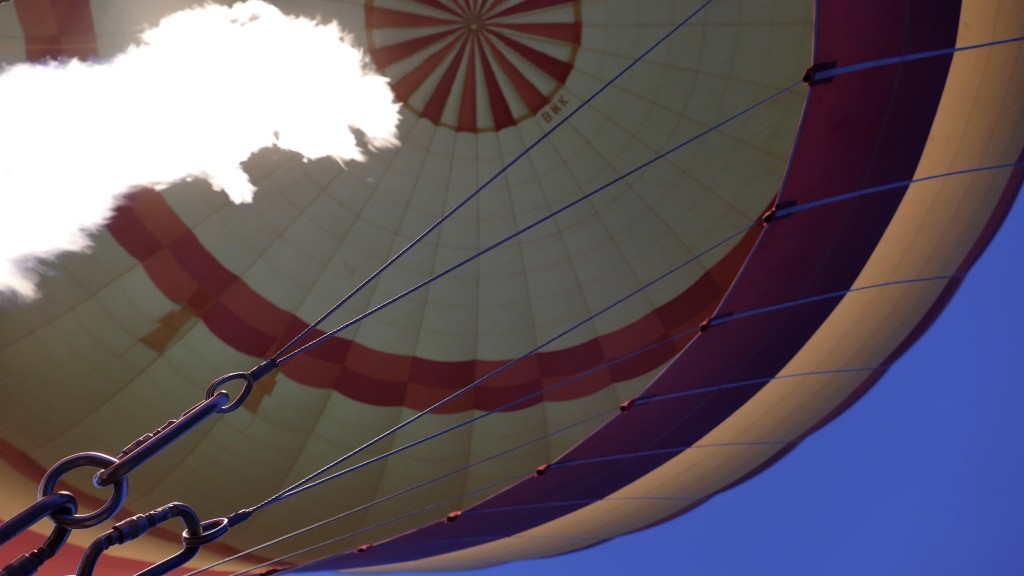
<point x="705" y="325"/>
<point x="266" y="367"/>
<point x="541" y="470"/>
<point x="819" y="73"/>
<point x="452" y="517"/>
<point x="362" y="549"/>
<point x="625" y="406"/>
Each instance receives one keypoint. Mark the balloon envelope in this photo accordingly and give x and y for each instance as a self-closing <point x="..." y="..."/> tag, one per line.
<point x="758" y="252"/>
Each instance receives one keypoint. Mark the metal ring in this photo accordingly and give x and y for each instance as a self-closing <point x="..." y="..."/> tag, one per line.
<point x="82" y="460"/>
<point x="211" y="530"/>
<point x="214" y="387"/>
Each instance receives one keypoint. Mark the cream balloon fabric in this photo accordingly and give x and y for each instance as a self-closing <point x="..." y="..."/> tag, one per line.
<point x="763" y="332"/>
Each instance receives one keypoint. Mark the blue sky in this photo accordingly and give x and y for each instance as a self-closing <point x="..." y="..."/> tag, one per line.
<point x="922" y="476"/>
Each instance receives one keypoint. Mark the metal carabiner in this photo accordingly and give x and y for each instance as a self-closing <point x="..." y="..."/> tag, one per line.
<point x="136" y="526"/>
<point x="27" y="564"/>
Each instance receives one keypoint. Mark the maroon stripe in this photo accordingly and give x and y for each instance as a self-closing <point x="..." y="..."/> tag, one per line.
<point x="557" y="69"/>
<point x="57" y="29"/>
<point x="467" y="103"/>
<point x="377" y="17"/>
<point x="860" y="130"/>
<point x="187" y="274"/>
<point x="500" y="111"/>
<point x="529" y="6"/>
<point x="849" y="34"/>
<point x="436" y="5"/>
<point x="443" y="89"/>
<point x="385" y="56"/>
<point x="567" y="32"/>
<point x="528" y="93"/>
<point x="406" y="86"/>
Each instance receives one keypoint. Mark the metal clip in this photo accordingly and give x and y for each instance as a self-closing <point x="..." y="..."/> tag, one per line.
<point x="135" y="527"/>
<point x="248" y="381"/>
<point x="27" y="564"/>
<point x="151" y="444"/>
<point x="217" y="402"/>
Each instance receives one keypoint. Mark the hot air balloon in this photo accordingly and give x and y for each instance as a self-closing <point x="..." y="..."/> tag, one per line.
<point x="670" y="241"/>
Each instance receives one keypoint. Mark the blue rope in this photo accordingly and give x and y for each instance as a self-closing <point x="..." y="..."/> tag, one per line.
<point x="663" y="452"/>
<point x="306" y="484"/>
<point x="603" y="413"/>
<point x="394" y="495"/>
<point x="582" y="502"/>
<point x="827" y="296"/>
<point x="485" y="251"/>
<point x="537" y="223"/>
<point x="299" y="488"/>
<point x="639" y="401"/>
<point x="782" y="212"/>
<point x="752" y="382"/>
<point x="282" y="357"/>
<point x="336" y="539"/>
<point x="283" y="354"/>
<point x="832" y="73"/>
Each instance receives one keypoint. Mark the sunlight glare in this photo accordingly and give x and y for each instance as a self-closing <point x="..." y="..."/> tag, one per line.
<point x="194" y="97"/>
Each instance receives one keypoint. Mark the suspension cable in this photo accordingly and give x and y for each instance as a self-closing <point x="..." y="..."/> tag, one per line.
<point x="283" y="354"/>
<point x="642" y="400"/>
<point x="280" y="358"/>
<point x="486" y="250"/>
<point x="310" y="481"/>
<point x="305" y="348"/>
<point x="307" y="482"/>
<point x="290" y="350"/>
<point x="812" y="76"/>
<point x="824" y="74"/>
<point x="715" y="322"/>
<point x="402" y="492"/>
<point x="638" y="401"/>
<point x="113" y="473"/>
